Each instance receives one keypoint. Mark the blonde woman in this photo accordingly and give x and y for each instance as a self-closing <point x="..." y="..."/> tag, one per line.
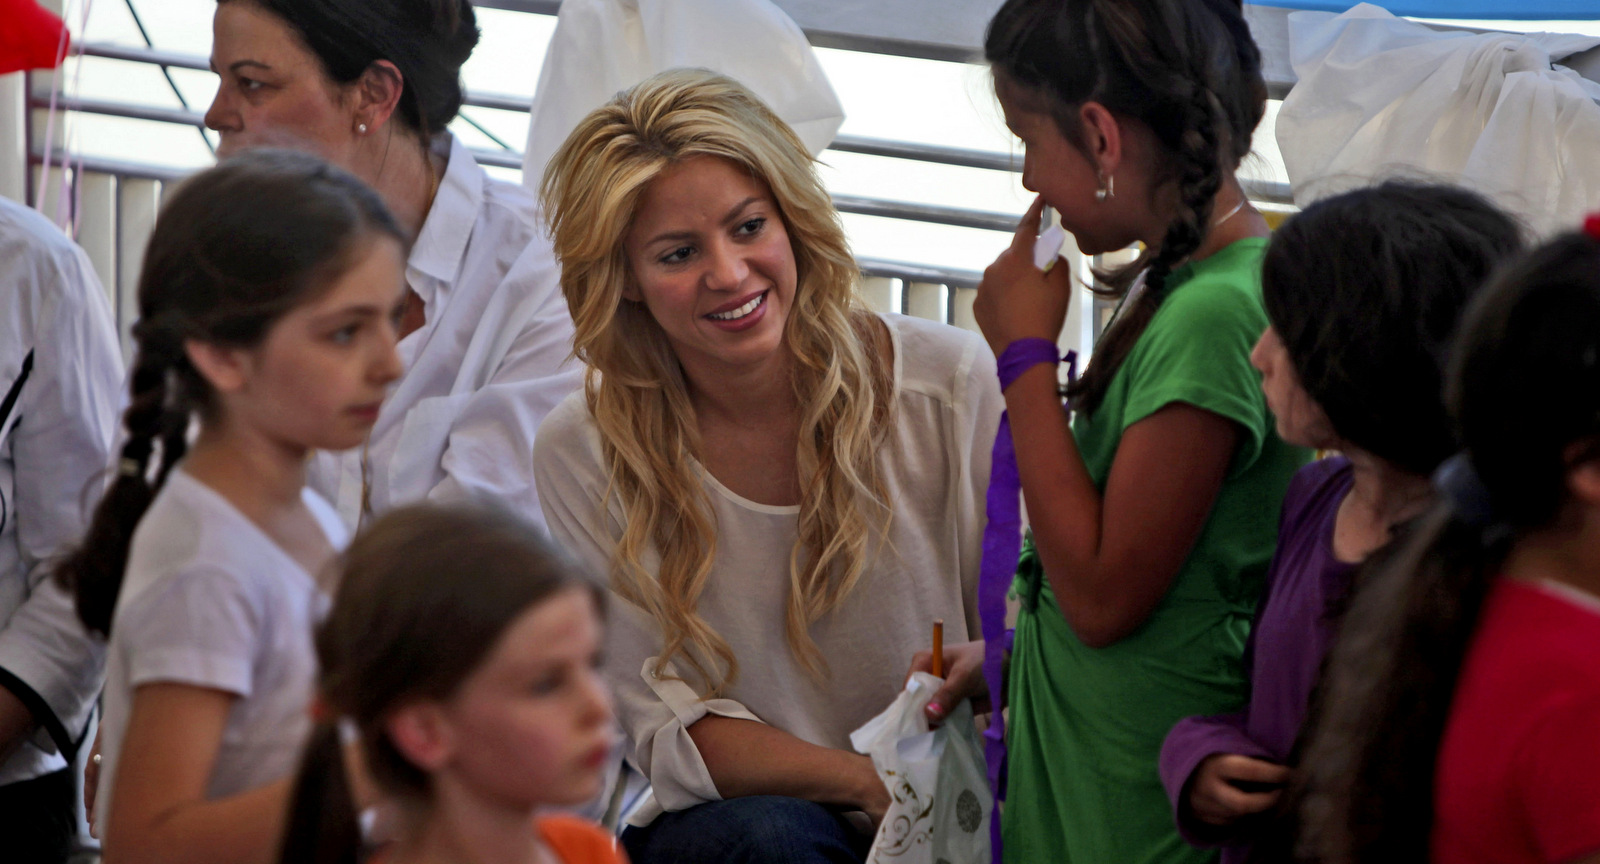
<point x="784" y="487"/>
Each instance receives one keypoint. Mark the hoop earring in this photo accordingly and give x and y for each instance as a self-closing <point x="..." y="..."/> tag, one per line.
<point x="1108" y="188"/>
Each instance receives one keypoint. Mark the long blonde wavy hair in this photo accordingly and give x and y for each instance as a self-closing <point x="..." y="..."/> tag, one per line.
<point x="636" y="390"/>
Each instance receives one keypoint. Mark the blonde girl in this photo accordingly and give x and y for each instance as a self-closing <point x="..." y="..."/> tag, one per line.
<point x="782" y="486"/>
<point x="267" y="310"/>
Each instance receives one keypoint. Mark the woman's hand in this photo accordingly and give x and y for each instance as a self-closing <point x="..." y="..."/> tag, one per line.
<point x="748" y="757"/>
<point x="1018" y="301"/>
<point x="873" y="797"/>
<point x="963" y="668"/>
<point x="1228" y="787"/>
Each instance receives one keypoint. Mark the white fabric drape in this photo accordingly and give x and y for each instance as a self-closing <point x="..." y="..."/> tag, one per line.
<point x="601" y="47"/>
<point x="1380" y="97"/>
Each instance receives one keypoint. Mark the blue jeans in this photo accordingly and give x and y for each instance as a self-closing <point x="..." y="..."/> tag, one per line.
<point x="759" y="829"/>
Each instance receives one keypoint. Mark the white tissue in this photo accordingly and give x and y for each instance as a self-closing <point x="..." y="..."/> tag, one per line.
<point x="1048" y="247"/>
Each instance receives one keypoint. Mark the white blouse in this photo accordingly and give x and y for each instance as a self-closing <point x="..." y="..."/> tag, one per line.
<point x="935" y="464"/>
<point x="490" y="361"/>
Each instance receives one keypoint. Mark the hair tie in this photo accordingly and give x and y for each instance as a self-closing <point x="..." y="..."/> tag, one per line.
<point x="1460" y="484"/>
<point x="1591" y="225"/>
<point x="130" y="467"/>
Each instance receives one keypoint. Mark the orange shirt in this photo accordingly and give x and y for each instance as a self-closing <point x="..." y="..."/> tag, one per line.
<point x="576" y="841"/>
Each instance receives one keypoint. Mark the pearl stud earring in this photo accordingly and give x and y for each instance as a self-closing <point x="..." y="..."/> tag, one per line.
<point x="361" y="128"/>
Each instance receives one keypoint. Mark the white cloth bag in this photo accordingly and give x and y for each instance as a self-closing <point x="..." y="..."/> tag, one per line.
<point x="940" y="791"/>
<point x="1381" y="97"/>
<point x="601" y="47"/>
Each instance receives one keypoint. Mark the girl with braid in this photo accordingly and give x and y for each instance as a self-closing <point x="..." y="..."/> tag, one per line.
<point x="1153" y="506"/>
<point x="274" y="325"/>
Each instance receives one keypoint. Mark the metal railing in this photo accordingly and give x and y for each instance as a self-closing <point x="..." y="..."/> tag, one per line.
<point x="507" y="157"/>
<point x="118" y="198"/>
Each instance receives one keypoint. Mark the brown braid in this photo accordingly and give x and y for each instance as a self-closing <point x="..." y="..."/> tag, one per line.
<point x="220" y="273"/>
<point x="1188" y="69"/>
<point x="94" y="571"/>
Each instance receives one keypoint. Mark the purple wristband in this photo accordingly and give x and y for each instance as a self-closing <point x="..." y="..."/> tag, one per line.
<point x="1022" y="355"/>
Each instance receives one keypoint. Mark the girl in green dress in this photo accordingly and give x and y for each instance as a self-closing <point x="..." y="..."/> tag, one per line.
<point x="1153" y="507"/>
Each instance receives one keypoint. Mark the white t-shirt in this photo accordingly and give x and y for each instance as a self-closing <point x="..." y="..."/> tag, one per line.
<point x="936" y="466"/>
<point x="210" y="601"/>
<point x="490" y="361"/>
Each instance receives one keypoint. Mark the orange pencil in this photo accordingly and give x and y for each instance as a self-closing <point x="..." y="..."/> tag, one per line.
<point x="938" y="648"/>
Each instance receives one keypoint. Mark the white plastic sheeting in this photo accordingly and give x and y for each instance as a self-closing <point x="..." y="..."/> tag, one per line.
<point x="601" y="47"/>
<point x="1380" y="97"/>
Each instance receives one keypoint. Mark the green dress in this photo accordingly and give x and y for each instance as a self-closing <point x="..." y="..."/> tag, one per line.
<point x="1086" y="724"/>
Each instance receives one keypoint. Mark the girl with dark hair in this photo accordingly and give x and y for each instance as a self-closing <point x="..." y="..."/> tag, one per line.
<point x="1363" y="291"/>
<point x="1461" y="703"/>
<point x="267" y="306"/>
<point x="475" y="701"/>
<point x="371" y="85"/>
<point x="1152" y="509"/>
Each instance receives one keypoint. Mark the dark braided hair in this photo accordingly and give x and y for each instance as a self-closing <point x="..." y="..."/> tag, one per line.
<point x="234" y="249"/>
<point x="427" y="40"/>
<point x="1187" y="69"/>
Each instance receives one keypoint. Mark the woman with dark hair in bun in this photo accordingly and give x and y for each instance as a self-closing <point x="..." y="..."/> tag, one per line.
<point x="371" y="85"/>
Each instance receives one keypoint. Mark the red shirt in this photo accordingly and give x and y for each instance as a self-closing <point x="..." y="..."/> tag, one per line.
<point x="1519" y="768"/>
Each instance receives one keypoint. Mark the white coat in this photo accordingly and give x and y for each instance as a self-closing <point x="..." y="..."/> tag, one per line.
<point x="1380" y="96"/>
<point x="55" y="445"/>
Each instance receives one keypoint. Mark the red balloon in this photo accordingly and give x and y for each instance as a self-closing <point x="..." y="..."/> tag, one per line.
<point x="30" y="36"/>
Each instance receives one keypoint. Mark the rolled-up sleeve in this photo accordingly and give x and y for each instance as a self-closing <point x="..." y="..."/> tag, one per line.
<point x="655" y="711"/>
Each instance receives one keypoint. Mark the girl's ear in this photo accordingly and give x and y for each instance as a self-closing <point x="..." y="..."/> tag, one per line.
<point x="225" y="369"/>
<point x="1102" y="136"/>
<point x="423" y="735"/>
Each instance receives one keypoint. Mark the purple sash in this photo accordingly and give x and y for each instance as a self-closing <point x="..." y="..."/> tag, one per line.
<point x="1002" y="543"/>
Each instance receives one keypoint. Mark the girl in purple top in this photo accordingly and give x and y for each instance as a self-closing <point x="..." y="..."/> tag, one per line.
<point x="1362" y="291"/>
